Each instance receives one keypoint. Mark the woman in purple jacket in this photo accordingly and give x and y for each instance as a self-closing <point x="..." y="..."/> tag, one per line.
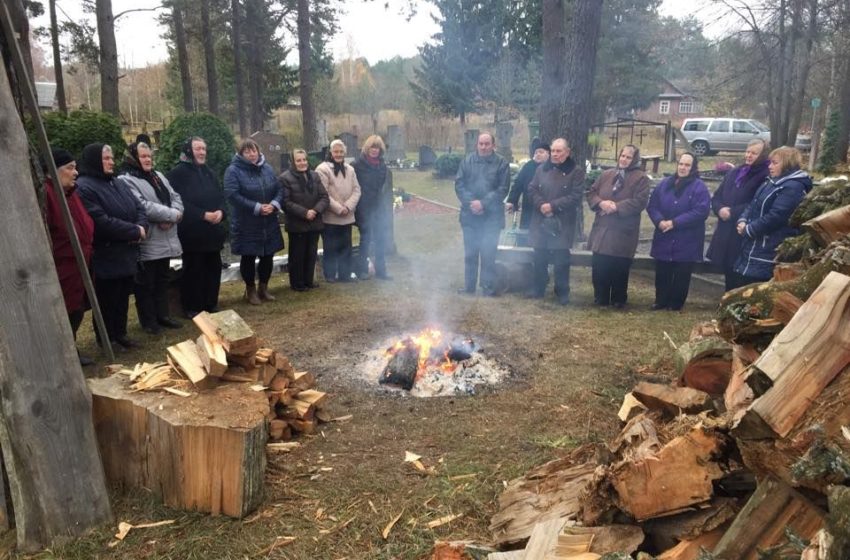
<point x="678" y="207"/>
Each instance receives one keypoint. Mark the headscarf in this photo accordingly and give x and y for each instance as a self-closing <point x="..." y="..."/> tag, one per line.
<point x="679" y="183"/>
<point x="756" y="167"/>
<point x="620" y="178"/>
<point x="91" y="162"/>
<point x="131" y="166"/>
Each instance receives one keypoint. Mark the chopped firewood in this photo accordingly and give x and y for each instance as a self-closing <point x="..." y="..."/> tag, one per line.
<point x="185" y="356"/>
<point x="302" y="380"/>
<point x="230" y="329"/>
<point x="678" y="476"/>
<point x="212" y="355"/>
<point x="279" y="382"/>
<point x="785" y="305"/>
<point x="267" y="373"/>
<point x="278" y="429"/>
<point x="630" y="408"/>
<point x="316" y="398"/>
<point x="238" y="375"/>
<point x="762" y="523"/>
<point x="803" y="359"/>
<point x="665" y="532"/>
<point x="704" y="363"/>
<point x="299" y="409"/>
<point x="783" y="272"/>
<point x="672" y="400"/>
<point x="264" y="355"/>
<point x="303" y="426"/>
<point x="690" y="549"/>
<point x="829" y="226"/>
<point x="282" y="364"/>
<point x="738" y="394"/>
<point x="283" y="447"/>
<point x="157" y="376"/>
<point x="245" y="362"/>
<point x="544" y="539"/>
<point x="605" y="539"/>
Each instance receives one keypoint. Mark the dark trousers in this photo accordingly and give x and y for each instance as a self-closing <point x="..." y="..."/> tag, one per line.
<point x="373" y="239"/>
<point x="336" y="258"/>
<point x="249" y="270"/>
<point x="152" y="291"/>
<point x="201" y="281"/>
<point x="302" y="258"/>
<point x="610" y="277"/>
<point x="480" y="243"/>
<point x="560" y="261"/>
<point x="113" y="294"/>
<point x="672" y="281"/>
<point x="734" y="280"/>
<point x="76" y="319"/>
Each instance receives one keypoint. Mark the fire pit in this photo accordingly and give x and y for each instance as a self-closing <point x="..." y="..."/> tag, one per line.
<point x="432" y="363"/>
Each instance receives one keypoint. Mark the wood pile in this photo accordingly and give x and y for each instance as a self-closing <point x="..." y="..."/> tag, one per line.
<point x="746" y="454"/>
<point x="194" y="428"/>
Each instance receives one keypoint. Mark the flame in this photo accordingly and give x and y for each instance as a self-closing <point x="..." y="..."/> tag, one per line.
<point x="426" y="342"/>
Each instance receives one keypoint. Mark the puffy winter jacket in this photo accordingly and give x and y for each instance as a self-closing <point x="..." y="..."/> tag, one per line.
<point x="247" y="187"/>
<point x="160" y="243"/>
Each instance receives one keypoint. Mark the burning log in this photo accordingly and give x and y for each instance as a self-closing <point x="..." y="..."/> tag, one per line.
<point x="402" y="367"/>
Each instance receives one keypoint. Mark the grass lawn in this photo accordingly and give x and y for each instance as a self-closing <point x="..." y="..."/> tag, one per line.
<point x="570" y="367"/>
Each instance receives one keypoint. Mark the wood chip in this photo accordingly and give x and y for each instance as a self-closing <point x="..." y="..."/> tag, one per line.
<point x="386" y="532"/>
<point x="124" y="528"/>
<point x="283" y="447"/>
<point x="178" y="392"/>
<point x="411" y="457"/>
<point x="463" y="476"/>
<point x="443" y="520"/>
<point x="258" y="388"/>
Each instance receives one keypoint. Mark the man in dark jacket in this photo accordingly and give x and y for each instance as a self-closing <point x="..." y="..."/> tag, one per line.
<point x="556" y="192"/>
<point x="519" y="190"/>
<point x="481" y="185"/>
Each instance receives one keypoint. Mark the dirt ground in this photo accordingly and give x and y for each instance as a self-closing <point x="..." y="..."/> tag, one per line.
<point x="570" y="367"/>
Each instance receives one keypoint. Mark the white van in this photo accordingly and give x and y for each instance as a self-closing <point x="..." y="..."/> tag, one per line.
<point x="708" y="136"/>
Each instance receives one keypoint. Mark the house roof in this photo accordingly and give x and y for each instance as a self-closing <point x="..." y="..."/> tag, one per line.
<point x="45" y="92"/>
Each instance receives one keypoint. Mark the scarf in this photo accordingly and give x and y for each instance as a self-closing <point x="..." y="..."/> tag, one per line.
<point x="91" y="162"/>
<point x="374" y="162"/>
<point x="745" y="170"/>
<point x="305" y="180"/>
<point x="131" y="166"/>
<point x="338" y="168"/>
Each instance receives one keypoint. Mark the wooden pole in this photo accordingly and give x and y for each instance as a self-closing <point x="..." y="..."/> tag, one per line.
<point x="49" y="448"/>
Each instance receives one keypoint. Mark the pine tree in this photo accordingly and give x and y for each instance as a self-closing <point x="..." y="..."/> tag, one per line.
<point x="829" y="151"/>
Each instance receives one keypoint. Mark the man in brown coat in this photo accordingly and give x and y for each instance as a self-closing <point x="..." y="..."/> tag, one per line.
<point x="618" y="197"/>
<point x="556" y="192"/>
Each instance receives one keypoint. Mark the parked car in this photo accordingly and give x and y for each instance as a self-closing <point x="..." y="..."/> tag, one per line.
<point x="708" y="135"/>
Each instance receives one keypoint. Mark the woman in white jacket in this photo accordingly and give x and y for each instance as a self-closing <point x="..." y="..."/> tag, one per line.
<point x="343" y="189"/>
<point x="165" y="210"/>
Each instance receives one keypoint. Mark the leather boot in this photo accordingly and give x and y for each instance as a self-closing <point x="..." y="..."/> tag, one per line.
<point x="251" y="295"/>
<point x="263" y="292"/>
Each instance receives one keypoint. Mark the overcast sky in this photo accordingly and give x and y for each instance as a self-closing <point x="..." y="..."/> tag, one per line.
<point x="367" y="28"/>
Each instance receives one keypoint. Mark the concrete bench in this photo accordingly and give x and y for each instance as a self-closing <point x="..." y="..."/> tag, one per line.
<point x="525" y="255"/>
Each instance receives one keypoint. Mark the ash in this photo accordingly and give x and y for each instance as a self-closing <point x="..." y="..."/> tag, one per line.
<point x="468" y="376"/>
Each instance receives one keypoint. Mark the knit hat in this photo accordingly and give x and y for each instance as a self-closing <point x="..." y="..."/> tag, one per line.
<point x="61" y="157"/>
<point x="538" y="144"/>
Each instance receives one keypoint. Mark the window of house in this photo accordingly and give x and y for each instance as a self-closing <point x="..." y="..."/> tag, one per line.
<point x="664" y="107"/>
<point x="686" y="107"/>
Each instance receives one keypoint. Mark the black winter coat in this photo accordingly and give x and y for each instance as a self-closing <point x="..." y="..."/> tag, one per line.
<point x="725" y="244"/>
<point x="373" y="183"/>
<point x="301" y="196"/>
<point x="485" y="179"/>
<point x="117" y="215"/>
<point x="520" y="189"/>
<point x="201" y="193"/>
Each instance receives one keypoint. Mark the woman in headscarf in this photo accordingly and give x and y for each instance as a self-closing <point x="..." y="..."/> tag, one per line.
<point x="340" y="180"/>
<point x="518" y="197"/>
<point x="164" y="209"/>
<point x="120" y="224"/>
<point x="678" y="207"/>
<point x="764" y="224"/>
<point x="305" y="200"/>
<point x="618" y="197"/>
<point x="256" y="196"/>
<point x="67" y="268"/>
<point x="728" y="203"/>
<point x="201" y="230"/>
<point x="372" y="213"/>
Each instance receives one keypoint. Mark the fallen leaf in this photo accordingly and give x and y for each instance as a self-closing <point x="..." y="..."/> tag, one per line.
<point x="443" y="520"/>
<point x="386" y="532"/>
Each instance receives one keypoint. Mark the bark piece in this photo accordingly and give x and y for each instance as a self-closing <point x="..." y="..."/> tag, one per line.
<point x="738" y="394"/>
<point x="762" y="523"/>
<point x="672" y="400"/>
<point x="205" y="453"/>
<point x="705" y="364"/>
<point x="784" y="272"/>
<point x="230" y="329"/>
<point x="630" y="408"/>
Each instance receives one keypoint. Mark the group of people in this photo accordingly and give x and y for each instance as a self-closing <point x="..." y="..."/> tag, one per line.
<point x="753" y="206"/>
<point x="133" y="221"/>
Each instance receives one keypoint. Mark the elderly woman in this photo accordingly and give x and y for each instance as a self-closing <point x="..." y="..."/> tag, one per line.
<point x="70" y="277"/>
<point x="201" y="231"/>
<point x="764" y="224"/>
<point x="120" y="224"/>
<point x="164" y="209"/>
<point x="304" y="201"/>
<point x="618" y="197"/>
<point x="678" y="207"/>
<point x="518" y="197"/>
<point x="256" y="196"/>
<point x="373" y="210"/>
<point x="340" y="181"/>
<point x="729" y="201"/>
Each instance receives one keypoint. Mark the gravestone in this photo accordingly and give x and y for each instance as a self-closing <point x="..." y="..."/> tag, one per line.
<point x="504" y="133"/>
<point x="427" y="157"/>
<point x="395" y="143"/>
<point x="322" y="132"/>
<point x="275" y="147"/>
<point x="470" y="141"/>
<point x="351" y="145"/>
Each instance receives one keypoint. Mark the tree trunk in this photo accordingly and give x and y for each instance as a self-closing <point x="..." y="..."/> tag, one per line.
<point x="255" y="71"/>
<point x="843" y="95"/>
<point x="209" y="57"/>
<point x="49" y="448"/>
<point x="57" y="60"/>
<point x="553" y="71"/>
<point x="18" y="17"/>
<point x="305" y="78"/>
<point x="183" y="58"/>
<point x="803" y="78"/>
<point x="237" y="68"/>
<point x="579" y="70"/>
<point x="108" y="58"/>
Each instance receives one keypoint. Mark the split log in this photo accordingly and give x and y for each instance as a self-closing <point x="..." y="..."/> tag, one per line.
<point x="745" y="313"/>
<point x="212" y="355"/>
<point x="247" y="363"/>
<point x="690" y="549"/>
<point x="738" y="394"/>
<point x="228" y="328"/>
<point x="609" y="538"/>
<point x="302" y="380"/>
<point x="803" y="359"/>
<point x="185" y="356"/>
<point x="315" y="398"/>
<point x="299" y="410"/>
<point x="830" y="226"/>
<point x="544" y="538"/>
<point x="204" y="453"/>
<point x="630" y="408"/>
<point x="770" y="510"/>
<point x="705" y="364"/>
<point x="680" y="475"/>
<point x="550" y="491"/>
<point x="785" y="305"/>
<point x="303" y="426"/>
<point x="666" y="532"/>
<point x="279" y="382"/>
<point x="672" y="400"/>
